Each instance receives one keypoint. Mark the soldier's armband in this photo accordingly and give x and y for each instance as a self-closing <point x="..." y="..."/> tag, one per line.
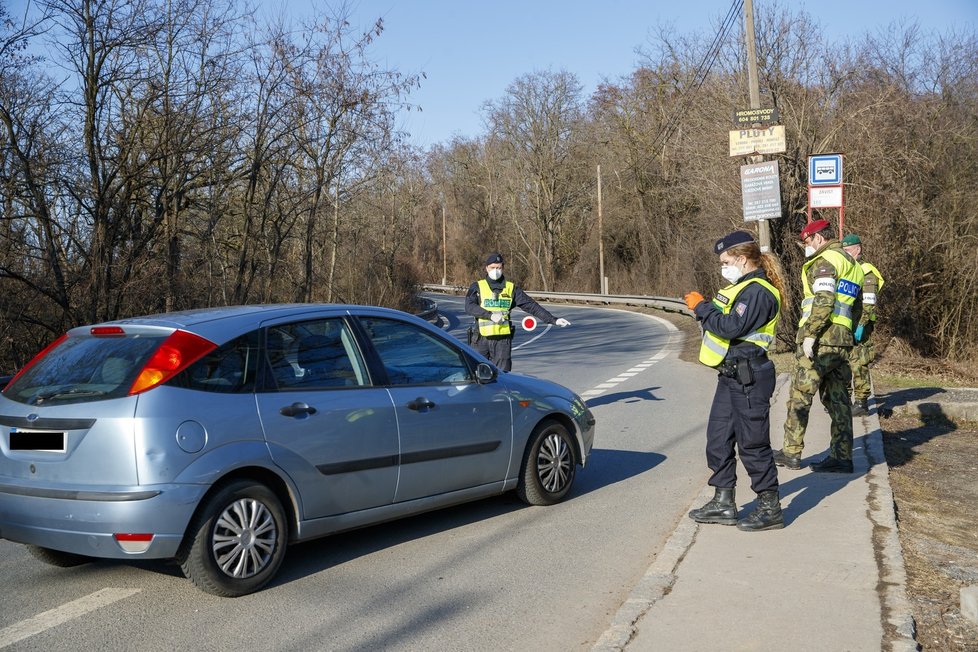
<point x="824" y="284"/>
<point x="869" y="298"/>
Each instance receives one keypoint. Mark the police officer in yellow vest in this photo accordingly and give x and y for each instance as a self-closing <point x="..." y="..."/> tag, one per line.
<point x="490" y="301"/>
<point x="862" y="351"/>
<point x="832" y="283"/>
<point x="738" y="328"/>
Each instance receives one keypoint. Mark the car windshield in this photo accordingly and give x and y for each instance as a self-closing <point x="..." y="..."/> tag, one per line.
<point x="84" y="368"/>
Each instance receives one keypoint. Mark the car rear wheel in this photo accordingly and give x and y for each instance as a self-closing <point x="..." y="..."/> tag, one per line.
<point x="57" y="558"/>
<point x="548" y="466"/>
<point x="237" y="541"/>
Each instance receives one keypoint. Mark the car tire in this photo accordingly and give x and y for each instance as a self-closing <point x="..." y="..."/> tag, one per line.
<point x="548" y="468"/>
<point x="57" y="558"/>
<point x="214" y="559"/>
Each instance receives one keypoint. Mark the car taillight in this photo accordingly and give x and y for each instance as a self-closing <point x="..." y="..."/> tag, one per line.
<point x="37" y="357"/>
<point x="174" y="355"/>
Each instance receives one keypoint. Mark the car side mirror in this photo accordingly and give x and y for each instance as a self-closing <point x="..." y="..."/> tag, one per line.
<point x="484" y="373"/>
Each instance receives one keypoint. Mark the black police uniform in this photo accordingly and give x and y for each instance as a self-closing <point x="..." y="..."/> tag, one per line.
<point x="741" y="412"/>
<point x="499" y="348"/>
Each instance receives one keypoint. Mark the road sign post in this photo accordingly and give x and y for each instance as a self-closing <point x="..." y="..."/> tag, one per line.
<point x="825" y="186"/>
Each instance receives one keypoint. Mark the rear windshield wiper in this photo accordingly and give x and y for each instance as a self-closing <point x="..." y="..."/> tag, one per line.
<point x="62" y="393"/>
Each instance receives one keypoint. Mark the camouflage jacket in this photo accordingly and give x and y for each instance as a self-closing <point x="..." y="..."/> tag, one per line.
<point x="819" y="324"/>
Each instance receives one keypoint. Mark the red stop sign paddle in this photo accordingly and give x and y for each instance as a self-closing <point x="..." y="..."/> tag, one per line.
<point x="529" y="323"/>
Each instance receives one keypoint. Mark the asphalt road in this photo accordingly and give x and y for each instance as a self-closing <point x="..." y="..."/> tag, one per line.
<point x="492" y="575"/>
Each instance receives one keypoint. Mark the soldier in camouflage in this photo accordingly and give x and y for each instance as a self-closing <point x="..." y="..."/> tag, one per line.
<point x="862" y="352"/>
<point x="831" y="280"/>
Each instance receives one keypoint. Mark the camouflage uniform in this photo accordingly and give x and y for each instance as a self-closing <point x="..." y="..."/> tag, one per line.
<point x="863" y="353"/>
<point x="828" y="372"/>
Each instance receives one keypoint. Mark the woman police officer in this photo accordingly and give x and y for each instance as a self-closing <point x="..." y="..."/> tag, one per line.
<point x="738" y="327"/>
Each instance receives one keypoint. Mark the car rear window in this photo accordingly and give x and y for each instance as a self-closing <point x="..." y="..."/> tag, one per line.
<point x="84" y="368"/>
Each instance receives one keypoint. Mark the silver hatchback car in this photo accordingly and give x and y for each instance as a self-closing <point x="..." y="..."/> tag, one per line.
<point x="216" y="437"/>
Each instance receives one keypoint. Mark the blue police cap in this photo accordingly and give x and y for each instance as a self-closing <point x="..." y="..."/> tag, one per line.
<point x="494" y="258"/>
<point x="732" y="240"/>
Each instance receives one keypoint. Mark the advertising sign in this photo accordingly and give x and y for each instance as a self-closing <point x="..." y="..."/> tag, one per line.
<point x="749" y="142"/>
<point x="749" y="117"/>
<point x="761" y="191"/>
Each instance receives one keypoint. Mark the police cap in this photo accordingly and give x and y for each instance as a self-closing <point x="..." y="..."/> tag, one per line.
<point x="812" y="228"/>
<point x="851" y="239"/>
<point x="732" y="240"/>
<point x="494" y="258"/>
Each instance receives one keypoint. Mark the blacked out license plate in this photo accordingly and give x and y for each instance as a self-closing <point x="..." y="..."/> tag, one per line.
<point x="31" y="440"/>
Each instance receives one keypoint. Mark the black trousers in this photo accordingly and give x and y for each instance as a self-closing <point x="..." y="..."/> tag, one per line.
<point x="742" y="415"/>
<point x="499" y="350"/>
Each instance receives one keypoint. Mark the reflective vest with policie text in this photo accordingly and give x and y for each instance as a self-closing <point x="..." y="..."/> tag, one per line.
<point x="495" y="303"/>
<point x="869" y="268"/>
<point x="846" y="288"/>
<point x="713" y="349"/>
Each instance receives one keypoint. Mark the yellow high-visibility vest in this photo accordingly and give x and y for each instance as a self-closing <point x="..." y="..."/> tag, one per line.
<point x="713" y="349"/>
<point x="850" y="280"/>
<point x="496" y="303"/>
<point x="869" y="268"/>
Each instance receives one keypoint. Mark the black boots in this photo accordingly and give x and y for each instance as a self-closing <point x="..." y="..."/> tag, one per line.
<point x="722" y="509"/>
<point x="860" y="407"/>
<point x="788" y="461"/>
<point x="766" y="516"/>
<point x="832" y="465"/>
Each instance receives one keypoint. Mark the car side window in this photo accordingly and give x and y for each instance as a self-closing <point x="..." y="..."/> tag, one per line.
<point x="413" y="356"/>
<point x="228" y="369"/>
<point x="317" y="354"/>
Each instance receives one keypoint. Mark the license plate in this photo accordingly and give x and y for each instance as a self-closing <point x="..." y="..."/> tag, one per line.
<point x="29" y="440"/>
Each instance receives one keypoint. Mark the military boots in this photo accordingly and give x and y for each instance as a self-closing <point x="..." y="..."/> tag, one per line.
<point x="722" y="509"/>
<point x="766" y="516"/>
<point x="860" y="407"/>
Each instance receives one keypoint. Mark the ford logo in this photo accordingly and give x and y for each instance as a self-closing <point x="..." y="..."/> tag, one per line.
<point x="32" y="418"/>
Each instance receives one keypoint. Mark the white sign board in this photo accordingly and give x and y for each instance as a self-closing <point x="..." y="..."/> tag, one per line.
<point x="748" y="142"/>
<point x="761" y="191"/>
<point x="824" y="196"/>
<point x="825" y="170"/>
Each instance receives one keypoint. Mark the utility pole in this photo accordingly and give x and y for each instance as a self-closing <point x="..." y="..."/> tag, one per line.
<point x="444" y="246"/>
<point x="763" y="232"/>
<point x="602" y="282"/>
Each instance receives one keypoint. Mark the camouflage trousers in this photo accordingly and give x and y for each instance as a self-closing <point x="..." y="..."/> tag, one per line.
<point x="860" y="358"/>
<point x="829" y="375"/>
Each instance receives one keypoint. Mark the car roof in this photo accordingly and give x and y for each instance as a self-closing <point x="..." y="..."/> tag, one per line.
<point x="225" y="320"/>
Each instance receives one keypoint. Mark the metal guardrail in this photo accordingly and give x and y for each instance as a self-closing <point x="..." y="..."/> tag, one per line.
<point x="667" y="304"/>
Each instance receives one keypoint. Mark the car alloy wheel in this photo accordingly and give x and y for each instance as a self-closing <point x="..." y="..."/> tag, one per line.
<point x="549" y="465"/>
<point x="244" y="538"/>
<point x="237" y="540"/>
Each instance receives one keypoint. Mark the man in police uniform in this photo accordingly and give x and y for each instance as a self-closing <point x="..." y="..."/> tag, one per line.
<point x="490" y="300"/>
<point x="862" y="351"/>
<point x="831" y="280"/>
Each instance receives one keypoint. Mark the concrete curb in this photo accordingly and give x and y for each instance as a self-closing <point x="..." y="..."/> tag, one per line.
<point x="895" y="606"/>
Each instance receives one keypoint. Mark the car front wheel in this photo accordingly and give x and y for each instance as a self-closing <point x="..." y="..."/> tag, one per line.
<point x="548" y="466"/>
<point x="237" y="541"/>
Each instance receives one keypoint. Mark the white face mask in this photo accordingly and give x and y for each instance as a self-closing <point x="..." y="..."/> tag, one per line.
<point x="730" y="272"/>
<point x="495" y="274"/>
<point x="809" y="251"/>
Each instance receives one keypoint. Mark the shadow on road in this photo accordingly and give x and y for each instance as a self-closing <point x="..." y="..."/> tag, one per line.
<point x="634" y="396"/>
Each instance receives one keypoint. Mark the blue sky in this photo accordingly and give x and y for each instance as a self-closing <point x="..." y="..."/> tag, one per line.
<point x="471" y="50"/>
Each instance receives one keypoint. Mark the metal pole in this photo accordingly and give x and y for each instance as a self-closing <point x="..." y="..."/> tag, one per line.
<point x="601" y="284"/>
<point x="763" y="231"/>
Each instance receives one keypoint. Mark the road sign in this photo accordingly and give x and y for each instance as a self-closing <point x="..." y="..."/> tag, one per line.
<point x="825" y="170"/>
<point x="749" y="117"/>
<point x="824" y="197"/>
<point x="760" y="189"/>
<point x="529" y="323"/>
<point x="748" y="142"/>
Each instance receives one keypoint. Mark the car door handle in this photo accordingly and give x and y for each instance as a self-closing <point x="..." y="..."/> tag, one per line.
<point x="297" y="410"/>
<point x="420" y="403"/>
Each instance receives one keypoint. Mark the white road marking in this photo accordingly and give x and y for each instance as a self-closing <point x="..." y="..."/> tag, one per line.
<point x="54" y="617"/>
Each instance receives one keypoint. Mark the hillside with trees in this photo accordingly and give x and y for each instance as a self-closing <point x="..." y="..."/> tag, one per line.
<point x="160" y="156"/>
